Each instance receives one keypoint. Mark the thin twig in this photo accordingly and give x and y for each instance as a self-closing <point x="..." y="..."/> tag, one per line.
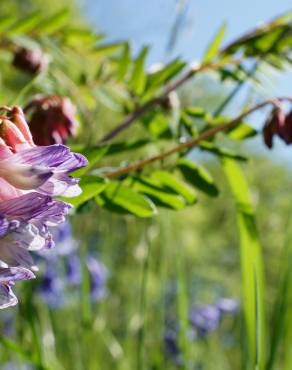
<point x="195" y="141"/>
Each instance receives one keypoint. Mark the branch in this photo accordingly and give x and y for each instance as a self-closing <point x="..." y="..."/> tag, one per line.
<point x="132" y="117"/>
<point x="195" y="141"/>
<point x="139" y="112"/>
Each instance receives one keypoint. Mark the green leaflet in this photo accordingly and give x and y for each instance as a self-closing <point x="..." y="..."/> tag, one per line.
<point x="198" y="176"/>
<point x="26" y="24"/>
<point x="242" y="131"/>
<point x="138" y="78"/>
<point x="108" y="48"/>
<point x="124" y="62"/>
<point x="55" y="22"/>
<point x="220" y="151"/>
<point x="253" y="284"/>
<point x="161" y="196"/>
<point x="175" y="184"/>
<point x="214" y="46"/>
<point x="123" y="197"/>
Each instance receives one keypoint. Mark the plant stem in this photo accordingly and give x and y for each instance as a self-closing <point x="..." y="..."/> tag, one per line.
<point x="142" y="308"/>
<point x="140" y="111"/>
<point x="132" y="117"/>
<point x="195" y="141"/>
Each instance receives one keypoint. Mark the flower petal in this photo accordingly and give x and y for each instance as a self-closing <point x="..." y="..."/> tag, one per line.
<point x="4" y="226"/>
<point x="23" y="176"/>
<point x="25" y="207"/>
<point x="7" y="297"/>
<point x="14" y="255"/>
<point x="61" y="185"/>
<point x="8" y="274"/>
<point x="57" y="157"/>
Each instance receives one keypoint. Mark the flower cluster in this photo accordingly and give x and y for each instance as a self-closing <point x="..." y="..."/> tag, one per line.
<point x="30" y="177"/>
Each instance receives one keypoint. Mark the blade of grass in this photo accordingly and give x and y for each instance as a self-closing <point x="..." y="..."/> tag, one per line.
<point x="253" y="284"/>
<point x="142" y="307"/>
<point x="183" y="310"/>
<point x="287" y="350"/>
<point x="280" y="322"/>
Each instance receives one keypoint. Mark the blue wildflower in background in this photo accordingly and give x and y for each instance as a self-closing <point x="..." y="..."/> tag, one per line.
<point x="62" y="271"/>
<point x="204" y="319"/>
<point x="98" y="277"/>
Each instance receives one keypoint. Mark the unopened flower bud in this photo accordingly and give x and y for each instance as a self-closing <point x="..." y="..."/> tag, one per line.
<point x="274" y="125"/>
<point x="18" y="118"/>
<point x="285" y="132"/>
<point x="52" y="119"/>
<point x="11" y="135"/>
<point x="31" y="61"/>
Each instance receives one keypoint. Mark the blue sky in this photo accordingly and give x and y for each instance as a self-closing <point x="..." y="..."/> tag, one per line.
<point x="151" y="21"/>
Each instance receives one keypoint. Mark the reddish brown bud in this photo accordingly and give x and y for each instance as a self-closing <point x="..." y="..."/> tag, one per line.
<point x="52" y="119"/>
<point x="31" y="61"/>
<point x="273" y="126"/>
<point x="285" y="132"/>
<point x="268" y="135"/>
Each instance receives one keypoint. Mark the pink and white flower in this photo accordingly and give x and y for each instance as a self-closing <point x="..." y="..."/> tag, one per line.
<point x="30" y="176"/>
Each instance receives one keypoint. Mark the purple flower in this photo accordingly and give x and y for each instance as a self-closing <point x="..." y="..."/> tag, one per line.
<point x="51" y="287"/>
<point x="30" y="177"/>
<point x="171" y="346"/>
<point x="73" y="270"/>
<point x="227" y="305"/>
<point x="98" y="276"/>
<point x="63" y="264"/>
<point x="8" y="275"/>
<point x="205" y="318"/>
